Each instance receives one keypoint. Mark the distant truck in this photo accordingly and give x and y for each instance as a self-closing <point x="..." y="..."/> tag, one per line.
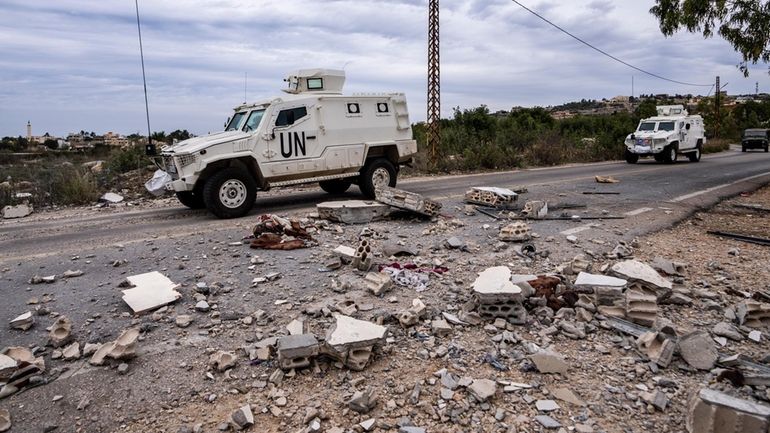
<point x="755" y="139"/>
<point x="311" y="134"/>
<point x="665" y="136"/>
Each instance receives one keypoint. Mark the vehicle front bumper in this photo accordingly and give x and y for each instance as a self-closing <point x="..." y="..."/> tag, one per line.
<point x="754" y="144"/>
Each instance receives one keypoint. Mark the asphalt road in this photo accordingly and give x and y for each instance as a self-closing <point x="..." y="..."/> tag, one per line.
<point x="678" y="188"/>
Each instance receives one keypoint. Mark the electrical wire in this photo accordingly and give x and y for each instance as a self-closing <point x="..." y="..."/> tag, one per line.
<point x="652" y="74"/>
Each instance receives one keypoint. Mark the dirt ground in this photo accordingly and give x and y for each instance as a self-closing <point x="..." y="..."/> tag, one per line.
<point x="170" y="386"/>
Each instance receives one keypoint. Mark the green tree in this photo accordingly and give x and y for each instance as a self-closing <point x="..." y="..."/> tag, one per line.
<point x="51" y="144"/>
<point x="745" y="24"/>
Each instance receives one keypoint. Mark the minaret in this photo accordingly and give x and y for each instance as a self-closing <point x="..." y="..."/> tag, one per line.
<point x="29" y="131"/>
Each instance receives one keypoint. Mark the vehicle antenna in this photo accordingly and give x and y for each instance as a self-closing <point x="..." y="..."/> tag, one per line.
<point x="150" y="149"/>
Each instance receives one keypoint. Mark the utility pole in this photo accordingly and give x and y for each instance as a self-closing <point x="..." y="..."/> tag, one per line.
<point x="433" y="124"/>
<point x="632" y="87"/>
<point x="756" y="89"/>
<point x="717" y="98"/>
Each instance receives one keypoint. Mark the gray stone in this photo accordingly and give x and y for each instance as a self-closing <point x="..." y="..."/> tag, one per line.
<point x="411" y="429"/>
<point x="483" y="389"/>
<point x="222" y="360"/>
<point x="18" y="211"/>
<point x="727" y="330"/>
<point x="202" y="306"/>
<point x="547" y="422"/>
<point x="455" y="243"/>
<point x="698" y="350"/>
<point x="363" y="401"/>
<point x="122" y="368"/>
<point x="368" y="425"/>
<point x="565" y="394"/>
<point x="71" y="352"/>
<point x="183" y="320"/>
<point x="23" y="322"/>
<point x="657" y="399"/>
<point x="548" y="361"/>
<point x="546" y="405"/>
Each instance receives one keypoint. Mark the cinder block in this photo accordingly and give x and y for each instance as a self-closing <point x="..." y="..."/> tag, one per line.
<point x="296" y="351"/>
<point x="408" y="200"/>
<point x="641" y="305"/>
<point x="712" y="411"/>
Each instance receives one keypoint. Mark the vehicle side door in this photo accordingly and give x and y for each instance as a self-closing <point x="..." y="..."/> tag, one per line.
<point x="294" y="134"/>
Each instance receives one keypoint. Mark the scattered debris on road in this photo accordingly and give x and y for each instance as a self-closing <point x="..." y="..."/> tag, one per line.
<point x="151" y="291"/>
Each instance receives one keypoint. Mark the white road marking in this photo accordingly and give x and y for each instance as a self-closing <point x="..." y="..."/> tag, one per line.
<point x="576" y="230"/>
<point x="639" y="211"/>
<point x="714" y="188"/>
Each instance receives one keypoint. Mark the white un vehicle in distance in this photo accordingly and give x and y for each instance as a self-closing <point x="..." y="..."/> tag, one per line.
<point x="312" y="133"/>
<point x="671" y="133"/>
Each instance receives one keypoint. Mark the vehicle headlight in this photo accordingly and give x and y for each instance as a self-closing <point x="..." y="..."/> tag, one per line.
<point x="659" y="141"/>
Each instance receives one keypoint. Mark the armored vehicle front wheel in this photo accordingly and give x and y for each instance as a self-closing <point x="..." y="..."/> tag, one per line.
<point x="191" y="199"/>
<point x="670" y="154"/>
<point x="631" y="158"/>
<point x="377" y="173"/>
<point x="335" y="186"/>
<point x="230" y="193"/>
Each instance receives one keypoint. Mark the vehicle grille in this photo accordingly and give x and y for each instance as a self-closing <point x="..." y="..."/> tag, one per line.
<point x="185" y="160"/>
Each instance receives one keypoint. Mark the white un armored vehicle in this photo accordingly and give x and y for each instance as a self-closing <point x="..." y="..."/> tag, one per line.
<point x="312" y="133"/>
<point x="671" y="133"/>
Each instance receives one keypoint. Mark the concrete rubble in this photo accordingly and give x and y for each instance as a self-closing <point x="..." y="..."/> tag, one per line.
<point x="242" y="418"/>
<point x="23" y="322"/>
<point x="698" y="350"/>
<point x="150" y="291"/>
<point x="641" y="305"/>
<point x="548" y="361"/>
<point x="408" y="201"/>
<point x="378" y="282"/>
<point x="351" y="341"/>
<point x="635" y="271"/>
<point x="658" y="348"/>
<point x="518" y="231"/>
<point x="711" y="411"/>
<point x="535" y="209"/>
<point x="753" y="314"/>
<point x="490" y="196"/>
<point x="18" y="211"/>
<point x="496" y="296"/>
<point x="222" y="361"/>
<point x="363" y="256"/>
<point x="352" y="211"/>
<point x="111" y="197"/>
<point x="297" y="351"/>
<point x="60" y="332"/>
<point x="5" y="420"/>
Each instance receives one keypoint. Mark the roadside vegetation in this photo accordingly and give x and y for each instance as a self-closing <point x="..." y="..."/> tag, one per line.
<point x="472" y="140"/>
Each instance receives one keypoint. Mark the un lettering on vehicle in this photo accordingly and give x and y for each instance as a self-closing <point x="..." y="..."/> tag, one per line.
<point x="292" y="144"/>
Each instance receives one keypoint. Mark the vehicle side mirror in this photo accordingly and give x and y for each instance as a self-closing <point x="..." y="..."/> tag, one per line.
<point x="687" y="127"/>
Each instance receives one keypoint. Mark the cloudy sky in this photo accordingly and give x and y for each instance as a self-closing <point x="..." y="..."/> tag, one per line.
<point x="67" y="65"/>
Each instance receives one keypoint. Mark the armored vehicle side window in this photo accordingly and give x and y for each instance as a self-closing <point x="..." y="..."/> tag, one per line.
<point x="647" y="126"/>
<point x="666" y="126"/>
<point x="315" y="83"/>
<point x="288" y="117"/>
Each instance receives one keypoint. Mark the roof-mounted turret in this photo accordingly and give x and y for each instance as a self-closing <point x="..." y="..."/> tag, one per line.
<point x="329" y="81"/>
<point x="671" y="110"/>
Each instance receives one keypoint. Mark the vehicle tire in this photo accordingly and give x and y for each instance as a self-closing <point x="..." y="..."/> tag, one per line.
<point x="670" y="155"/>
<point x="631" y="158"/>
<point x="230" y="193"/>
<point x="378" y="172"/>
<point x="743" y="148"/>
<point x="191" y="199"/>
<point x="766" y="148"/>
<point x="660" y="157"/>
<point x="335" y="186"/>
<point x="695" y="156"/>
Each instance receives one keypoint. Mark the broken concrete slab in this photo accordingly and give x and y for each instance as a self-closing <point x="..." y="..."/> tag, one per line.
<point x="636" y="271"/>
<point x="352" y="211"/>
<point x="565" y="394"/>
<point x="242" y="418"/>
<point x="490" y="196"/>
<point x="483" y="389"/>
<point x="698" y="350"/>
<point x="669" y="267"/>
<point x="711" y="411"/>
<point x="408" y="201"/>
<point x="363" y="401"/>
<point x="350" y="332"/>
<point x="151" y="291"/>
<point x="61" y="332"/>
<point x="586" y="280"/>
<point x="546" y="405"/>
<point x="297" y="351"/>
<point x="100" y="355"/>
<point x="18" y="211"/>
<point x="71" y="352"/>
<point x="657" y="399"/>
<point x="23" y="322"/>
<point x="535" y="209"/>
<point x="111" y="197"/>
<point x="494" y="285"/>
<point x="548" y="361"/>
<point x="296" y="327"/>
<point x="344" y="252"/>
<point x="727" y="330"/>
<point x="7" y="367"/>
<point x="440" y="327"/>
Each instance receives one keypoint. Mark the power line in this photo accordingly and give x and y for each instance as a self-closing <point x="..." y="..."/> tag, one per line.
<point x="652" y="74"/>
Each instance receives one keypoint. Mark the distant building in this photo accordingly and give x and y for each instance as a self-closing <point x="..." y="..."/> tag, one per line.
<point x="29" y="131"/>
<point x="112" y="139"/>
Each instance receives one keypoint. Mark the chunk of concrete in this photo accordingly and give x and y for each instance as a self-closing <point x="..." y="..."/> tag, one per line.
<point x="408" y="201"/>
<point x="111" y="197"/>
<point x="7" y="367"/>
<point x="698" y="350"/>
<point x="345" y="252"/>
<point x="18" y="211"/>
<point x="754" y="314"/>
<point x="183" y="320"/>
<point x="363" y="257"/>
<point x="483" y="389"/>
<point x="548" y="361"/>
<point x="296" y="327"/>
<point x="711" y="411"/>
<point x="378" y="282"/>
<point x="634" y="270"/>
<point x="586" y="280"/>
<point x="641" y="305"/>
<point x="494" y="285"/>
<point x="5" y="420"/>
<point x="440" y="327"/>
<point x="99" y="357"/>
<point x="535" y="209"/>
<point x="548" y="422"/>
<point x="656" y="398"/>
<point x="297" y="351"/>
<point x="565" y="394"/>
<point x="23" y="322"/>
<point x="71" y="352"/>
<point x="657" y="347"/>
<point x="669" y="267"/>
<point x="242" y="418"/>
<point x="363" y="401"/>
<point x="546" y="405"/>
<point x="222" y="361"/>
<point x="727" y="330"/>
<point x="61" y="332"/>
<point x="124" y="348"/>
<point x="151" y="291"/>
<point x="490" y="196"/>
<point x="351" y="332"/>
<point x="518" y="231"/>
<point x="352" y="211"/>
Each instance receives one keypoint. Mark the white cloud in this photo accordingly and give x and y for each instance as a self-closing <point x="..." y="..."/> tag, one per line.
<point x="74" y="64"/>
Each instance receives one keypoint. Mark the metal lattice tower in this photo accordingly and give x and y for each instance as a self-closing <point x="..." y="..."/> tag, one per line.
<point x="434" y="82"/>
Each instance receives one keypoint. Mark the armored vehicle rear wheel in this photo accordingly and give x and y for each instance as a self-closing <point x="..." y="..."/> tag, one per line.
<point x="695" y="156"/>
<point x="335" y="186"/>
<point x="376" y="173"/>
<point x="191" y="199"/>
<point x="631" y="158"/>
<point x="230" y="193"/>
